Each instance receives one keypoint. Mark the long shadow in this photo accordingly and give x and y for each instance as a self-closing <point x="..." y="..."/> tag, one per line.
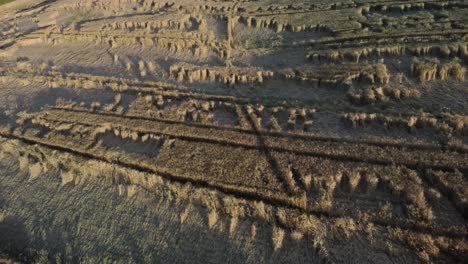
<point x="158" y="238"/>
<point x="275" y="167"/>
<point x="14" y="239"/>
<point x="48" y="97"/>
<point x="156" y="11"/>
<point x="41" y="4"/>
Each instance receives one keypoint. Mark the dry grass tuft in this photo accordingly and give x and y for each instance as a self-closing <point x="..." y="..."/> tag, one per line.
<point x="23" y="163"/>
<point x="373" y="95"/>
<point x="233" y="226"/>
<point x="308" y="182"/>
<point x="424" y="245"/>
<point x="35" y="170"/>
<point x="346" y="226"/>
<point x="253" y="231"/>
<point x="425" y="70"/>
<point x="261" y="211"/>
<point x="278" y="238"/>
<point x="67" y="177"/>
<point x="132" y="191"/>
<point x="212" y="219"/>
<point x="234" y="207"/>
<point x="382" y="74"/>
<point x="452" y="70"/>
<point x="185" y="214"/>
<point x="296" y="235"/>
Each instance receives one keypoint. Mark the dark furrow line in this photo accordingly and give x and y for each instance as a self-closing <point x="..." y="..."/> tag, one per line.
<point x="336" y="8"/>
<point x="105" y="34"/>
<point x="41" y="4"/>
<point x="336" y="157"/>
<point x="246" y="101"/>
<point x="391" y="36"/>
<point x="349" y="42"/>
<point x="440" y="187"/>
<point x="338" y="45"/>
<point x="298" y="179"/>
<point x="250" y="196"/>
<point x="270" y="133"/>
<point x="311" y="46"/>
<point x="7" y="44"/>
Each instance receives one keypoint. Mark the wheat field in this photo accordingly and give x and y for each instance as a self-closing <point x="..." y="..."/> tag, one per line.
<point x="254" y="131"/>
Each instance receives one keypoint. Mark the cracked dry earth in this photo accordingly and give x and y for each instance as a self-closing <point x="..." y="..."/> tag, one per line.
<point x="255" y="131"/>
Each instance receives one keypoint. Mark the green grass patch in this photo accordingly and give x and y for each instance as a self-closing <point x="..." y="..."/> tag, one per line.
<point x="5" y="1"/>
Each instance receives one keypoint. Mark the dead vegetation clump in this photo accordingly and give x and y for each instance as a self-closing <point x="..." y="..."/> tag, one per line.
<point x="199" y="112"/>
<point x="233" y="224"/>
<point x="424" y="244"/>
<point x="429" y="69"/>
<point x="278" y="235"/>
<point x="273" y="124"/>
<point x="447" y="124"/>
<point x="297" y="236"/>
<point x="187" y="22"/>
<point x="230" y="75"/>
<point x="456" y="123"/>
<point x="452" y="184"/>
<point x="408" y="185"/>
<point x="262" y="211"/>
<point x="35" y="170"/>
<point x="324" y="188"/>
<point x="299" y="186"/>
<point x="4" y="216"/>
<point x="114" y="106"/>
<point x="86" y="81"/>
<point x="333" y="74"/>
<point x="185" y="214"/>
<point x="359" y="118"/>
<point x="381" y="94"/>
<point x="32" y="161"/>
<point x="300" y="222"/>
<point x="357" y="54"/>
<point x="299" y="119"/>
<point x="351" y="179"/>
<point x="174" y="42"/>
<point x="382" y="74"/>
<point x="23" y="118"/>
<point x="425" y="70"/>
<point x="452" y="70"/>
<point x="104" y="128"/>
<point x="274" y="24"/>
<point x="345" y="226"/>
<point x="212" y="219"/>
<point x="329" y="74"/>
<point x="31" y="69"/>
<point x="429" y="248"/>
<point x="377" y="73"/>
<point x="234" y="207"/>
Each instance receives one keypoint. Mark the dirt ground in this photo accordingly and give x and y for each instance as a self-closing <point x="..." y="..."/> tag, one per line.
<point x="266" y="131"/>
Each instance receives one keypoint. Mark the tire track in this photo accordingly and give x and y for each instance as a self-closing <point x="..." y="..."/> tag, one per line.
<point x="263" y="132"/>
<point x="354" y="153"/>
<point x="252" y="195"/>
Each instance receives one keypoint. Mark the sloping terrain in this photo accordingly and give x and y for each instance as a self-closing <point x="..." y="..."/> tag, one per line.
<point x="205" y="131"/>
